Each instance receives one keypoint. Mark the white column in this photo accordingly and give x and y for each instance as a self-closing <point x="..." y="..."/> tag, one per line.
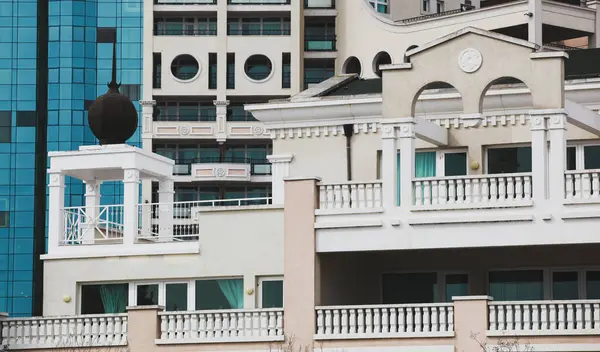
<point x="92" y="210"/>
<point x="406" y="136"/>
<point x="147" y="133"/>
<point x="389" y="166"/>
<point x="131" y="199"/>
<point x="221" y="107"/>
<point x="539" y="156"/>
<point x="56" y="214"/>
<point x="280" y="169"/>
<point x="594" y="39"/>
<point x="534" y="25"/>
<point x="558" y="156"/>
<point x="165" y="210"/>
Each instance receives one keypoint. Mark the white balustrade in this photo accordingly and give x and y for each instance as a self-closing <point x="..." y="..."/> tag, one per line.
<point x="350" y="195"/>
<point x="539" y="317"/>
<point x="222" y="326"/>
<point x="66" y="332"/>
<point x="380" y="321"/>
<point x="92" y="224"/>
<point x="582" y="185"/>
<point x="473" y="189"/>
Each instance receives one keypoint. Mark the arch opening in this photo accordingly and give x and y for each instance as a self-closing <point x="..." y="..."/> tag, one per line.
<point x="504" y="94"/>
<point x="352" y="65"/>
<point x="406" y="58"/>
<point x="382" y="58"/>
<point x="426" y="102"/>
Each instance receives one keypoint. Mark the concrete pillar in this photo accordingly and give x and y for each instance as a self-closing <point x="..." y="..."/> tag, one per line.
<point x="557" y="132"/>
<point x="539" y="156"/>
<point x="56" y="218"/>
<point x="534" y="25"/>
<point x="470" y="322"/>
<point x="280" y="169"/>
<point x="389" y="166"/>
<point x="93" y="210"/>
<point x="131" y="199"/>
<point x="594" y="39"/>
<point x="221" y="107"/>
<point x="147" y="133"/>
<point x="166" y="194"/>
<point x="301" y="287"/>
<point x="143" y="327"/>
<point x="406" y="136"/>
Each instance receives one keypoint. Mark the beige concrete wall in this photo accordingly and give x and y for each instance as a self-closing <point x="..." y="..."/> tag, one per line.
<point x="242" y="243"/>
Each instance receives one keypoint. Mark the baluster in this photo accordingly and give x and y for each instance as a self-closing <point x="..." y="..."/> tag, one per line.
<point x="570" y="316"/>
<point x="443" y="318"/>
<point x="385" y="321"/>
<point x="435" y="318"/>
<point x="427" y="192"/>
<point x="501" y="188"/>
<point x="526" y="317"/>
<point x="249" y="323"/>
<point x="35" y="332"/>
<point x="410" y="326"/>
<point x="345" y="191"/>
<point x="118" y="330"/>
<point x="361" y="321"/>
<point x="468" y="196"/>
<point x="442" y="192"/>
<point x="353" y="196"/>
<point x="595" y="185"/>
<point x="502" y="317"/>
<point x="202" y="326"/>
<point x="330" y="197"/>
<point x="19" y="332"/>
<point x="460" y="191"/>
<point x="272" y="329"/>
<point x="192" y="333"/>
<point x="102" y="328"/>
<point x="352" y="323"/>
<point x="426" y="319"/>
<point x="528" y="189"/>
<point x="418" y="319"/>
<point x="578" y="316"/>
<point x="218" y="331"/>
<point x="418" y="193"/>
<point x="369" y="321"/>
<point x="95" y="331"/>
<point x="87" y="331"/>
<point x="587" y="316"/>
<point x="328" y="322"/>
<point x="377" y="195"/>
<point x="493" y="317"/>
<point x="561" y="317"/>
<point x="585" y="190"/>
<point x="323" y="202"/>
<point x="552" y="317"/>
<point x="179" y="328"/>
<point x="225" y="325"/>
<point x="476" y="190"/>
<point x="518" y="187"/>
<point x="435" y="192"/>
<point x="336" y="322"/>
<point x="452" y="191"/>
<point x="510" y="188"/>
<point x="509" y="318"/>
<point x="401" y="320"/>
<point x="369" y="193"/>
<point x="569" y="186"/>
<point x="376" y="321"/>
<point x="485" y="190"/>
<point x="280" y="323"/>
<point x="535" y="317"/>
<point x="362" y="199"/>
<point x="451" y="318"/>
<point x="110" y="330"/>
<point x="493" y="189"/>
<point x="577" y="186"/>
<point x="344" y="324"/>
<point x="241" y="324"/>
<point x="320" y="322"/>
<point x="337" y="191"/>
<point x="393" y="320"/>
<point x="596" y="317"/>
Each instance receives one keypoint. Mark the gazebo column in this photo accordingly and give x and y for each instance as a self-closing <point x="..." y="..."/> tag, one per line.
<point x="406" y="136"/>
<point x="165" y="211"/>
<point x="56" y="215"/>
<point x="131" y="199"/>
<point x="93" y="211"/>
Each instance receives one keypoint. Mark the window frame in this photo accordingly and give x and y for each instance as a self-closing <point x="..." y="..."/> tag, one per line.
<point x="440" y="280"/>
<point x="580" y="153"/>
<point x="259" y="282"/>
<point x="502" y="146"/>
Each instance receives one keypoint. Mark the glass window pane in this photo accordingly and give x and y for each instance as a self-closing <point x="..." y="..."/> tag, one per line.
<point x="591" y="157"/>
<point x="176" y="297"/>
<point x="104" y="299"/>
<point x="455" y="164"/>
<point x="456" y="285"/>
<point x="272" y="294"/>
<point x="147" y="295"/>
<point x="516" y="285"/>
<point x="571" y="158"/>
<point x="219" y="294"/>
<point x="565" y="285"/>
<point x="422" y="288"/>
<point x="593" y="284"/>
<point x="509" y="160"/>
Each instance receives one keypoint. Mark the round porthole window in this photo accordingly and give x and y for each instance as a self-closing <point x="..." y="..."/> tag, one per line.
<point x="185" y="67"/>
<point x="258" y="67"/>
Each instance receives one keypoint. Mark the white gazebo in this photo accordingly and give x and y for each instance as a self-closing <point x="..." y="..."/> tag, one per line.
<point x="127" y="224"/>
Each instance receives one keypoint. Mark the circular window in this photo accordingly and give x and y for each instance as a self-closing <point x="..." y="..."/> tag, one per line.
<point x="185" y="67"/>
<point x="258" y="67"/>
<point x="382" y="58"/>
<point x="352" y="65"/>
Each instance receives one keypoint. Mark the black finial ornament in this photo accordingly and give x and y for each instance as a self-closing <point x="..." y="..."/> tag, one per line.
<point x="112" y="116"/>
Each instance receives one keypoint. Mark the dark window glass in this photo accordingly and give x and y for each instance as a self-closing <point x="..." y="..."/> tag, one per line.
<point x="147" y="295"/>
<point x="106" y="34"/>
<point x="517" y="285"/>
<point x="5" y="118"/>
<point x="571" y="158"/>
<point x="423" y="288"/>
<point x="456" y="285"/>
<point x="565" y="285"/>
<point x="593" y="284"/>
<point x="212" y="67"/>
<point x="509" y="160"/>
<point x="4" y="219"/>
<point x="104" y="299"/>
<point x="591" y="157"/>
<point x="230" y="70"/>
<point x="272" y="294"/>
<point x="157" y="70"/>
<point x="26" y="118"/>
<point x="258" y="67"/>
<point x="176" y="297"/>
<point x="286" y="71"/>
<point x="455" y="164"/>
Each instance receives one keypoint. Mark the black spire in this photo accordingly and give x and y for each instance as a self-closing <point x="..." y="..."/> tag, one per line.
<point x="112" y="116"/>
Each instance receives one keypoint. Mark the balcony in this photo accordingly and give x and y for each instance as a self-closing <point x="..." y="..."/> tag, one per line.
<point x="223" y="169"/>
<point x="319" y="4"/>
<point x="258" y="2"/>
<point x="184" y="32"/>
<point x="263" y="31"/>
<point x="320" y="43"/>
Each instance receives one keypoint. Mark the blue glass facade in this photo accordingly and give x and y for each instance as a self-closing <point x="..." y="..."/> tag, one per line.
<point x="71" y="71"/>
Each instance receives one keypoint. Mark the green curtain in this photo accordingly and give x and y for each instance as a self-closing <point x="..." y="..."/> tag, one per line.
<point x="114" y="298"/>
<point x="234" y="292"/>
<point x="425" y="166"/>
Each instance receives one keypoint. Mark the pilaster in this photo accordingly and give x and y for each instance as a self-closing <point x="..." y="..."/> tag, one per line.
<point x="539" y="155"/>
<point x="557" y="123"/>
<point x="131" y="198"/>
<point x="221" y="107"/>
<point x="280" y="169"/>
<point x="147" y="121"/>
<point x="406" y="137"/>
<point x="389" y="166"/>
<point x="165" y="217"/>
<point x="56" y="205"/>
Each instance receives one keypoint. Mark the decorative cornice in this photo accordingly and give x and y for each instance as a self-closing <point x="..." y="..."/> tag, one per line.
<point x="306" y="132"/>
<point x="148" y="102"/>
<point x="280" y="158"/>
<point x="221" y="102"/>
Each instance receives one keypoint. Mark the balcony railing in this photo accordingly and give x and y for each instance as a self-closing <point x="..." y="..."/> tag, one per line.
<point x="351" y="195"/>
<point x="377" y="321"/>
<point x="319" y="4"/>
<point x="282" y="31"/>
<point x="257" y="166"/>
<point x="258" y="2"/>
<point x="582" y="185"/>
<point x="65" y="332"/>
<point x="463" y="8"/>
<point x="473" y="189"/>
<point x="544" y="317"/>
<point x="221" y="326"/>
<point x="185" y="2"/>
<point x="93" y="224"/>
<point x="184" y="31"/>
<point x="324" y="42"/>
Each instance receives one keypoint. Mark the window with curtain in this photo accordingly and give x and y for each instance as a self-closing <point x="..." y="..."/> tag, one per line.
<point x="565" y="285"/>
<point x="592" y="282"/>
<point x="410" y="288"/>
<point x="104" y="298"/>
<point x="508" y="160"/>
<point x="516" y="285"/>
<point x="272" y="294"/>
<point x="219" y="294"/>
<point x="176" y="297"/>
